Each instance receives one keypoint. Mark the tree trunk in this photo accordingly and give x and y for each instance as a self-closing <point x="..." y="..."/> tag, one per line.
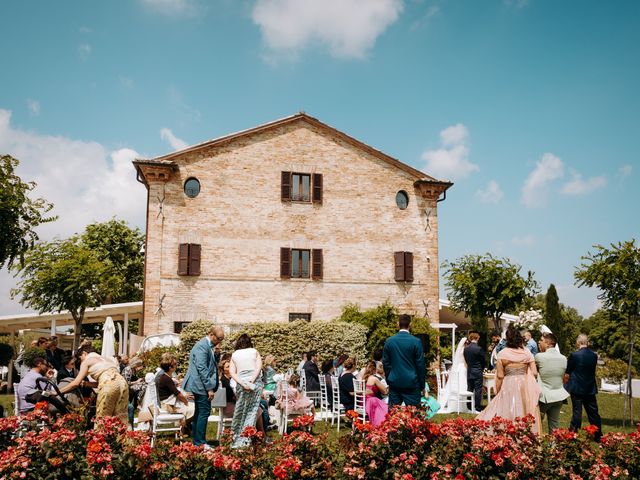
<point x="77" y="329"/>
<point x="628" y="403"/>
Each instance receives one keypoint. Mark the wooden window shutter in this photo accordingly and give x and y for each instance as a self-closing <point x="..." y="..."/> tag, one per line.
<point x="285" y="263"/>
<point x="399" y="266"/>
<point x="194" y="259"/>
<point x="316" y="271"/>
<point x="286" y="187"/>
<point x="317" y="188"/>
<point x="408" y="267"/>
<point x="183" y="259"/>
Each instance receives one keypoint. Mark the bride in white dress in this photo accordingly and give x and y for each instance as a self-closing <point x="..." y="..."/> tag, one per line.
<point x="456" y="382"/>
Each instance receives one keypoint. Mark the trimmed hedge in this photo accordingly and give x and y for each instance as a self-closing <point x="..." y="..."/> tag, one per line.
<point x="287" y="340"/>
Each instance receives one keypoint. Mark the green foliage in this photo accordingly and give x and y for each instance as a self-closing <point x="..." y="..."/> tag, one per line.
<point x="31" y="353"/>
<point x="189" y="336"/>
<point x="79" y="272"/>
<point x="286" y="341"/>
<point x="608" y="335"/>
<point x="552" y="315"/>
<point x="151" y="359"/>
<point x="19" y="214"/>
<point x="483" y="286"/>
<point x="614" y="370"/>
<point x="6" y="354"/>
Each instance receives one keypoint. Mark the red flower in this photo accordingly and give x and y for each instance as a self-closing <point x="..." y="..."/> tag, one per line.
<point x="591" y="430"/>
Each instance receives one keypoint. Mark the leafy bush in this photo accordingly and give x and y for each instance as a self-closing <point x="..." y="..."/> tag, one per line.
<point x="31" y="353"/>
<point x="382" y="322"/>
<point x="614" y="370"/>
<point x="151" y="359"/>
<point x="287" y="340"/>
<point x="6" y="353"/>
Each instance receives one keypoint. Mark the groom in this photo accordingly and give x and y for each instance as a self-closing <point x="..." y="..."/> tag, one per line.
<point x="404" y="367"/>
<point x="474" y="357"/>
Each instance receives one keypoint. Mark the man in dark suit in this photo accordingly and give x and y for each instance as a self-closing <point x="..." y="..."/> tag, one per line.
<point x="474" y="357"/>
<point x="404" y="367"/>
<point x="580" y="379"/>
<point x="311" y="372"/>
<point x="202" y="380"/>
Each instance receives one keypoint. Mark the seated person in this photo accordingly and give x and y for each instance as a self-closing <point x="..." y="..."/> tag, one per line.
<point x="29" y="385"/>
<point x="346" y="384"/>
<point x="327" y="373"/>
<point x="298" y="403"/>
<point x="269" y="370"/>
<point x="68" y="369"/>
<point x="374" y="406"/>
<point x="171" y="399"/>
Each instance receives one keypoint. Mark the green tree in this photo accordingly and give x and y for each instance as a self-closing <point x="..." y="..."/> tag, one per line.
<point x="483" y="287"/>
<point x="19" y="214"/>
<point x="81" y="272"/>
<point x="552" y="314"/>
<point x="608" y="335"/>
<point x="616" y="272"/>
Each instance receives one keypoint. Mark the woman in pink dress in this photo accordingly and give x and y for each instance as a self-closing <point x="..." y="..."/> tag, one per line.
<point x="374" y="405"/>
<point x="517" y="390"/>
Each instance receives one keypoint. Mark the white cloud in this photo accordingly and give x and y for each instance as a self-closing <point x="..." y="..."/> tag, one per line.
<point x="578" y="186"/>
<point x="625" y="170"/>
<point x="536" y="186"/>
<point x="85" y="30"/>
<point x="349" y="28"/>
<point x="175" y="143"/>
<point x="172" y="7"/>
<point x="523" y="240"/>
<point x="84" y="180"/>
<point x="431" y="12"/>
<point x="84" y="50"/>
<point x="451" y="161"/>
<point x="491" y="194"/>
<point x="34" y="107"/>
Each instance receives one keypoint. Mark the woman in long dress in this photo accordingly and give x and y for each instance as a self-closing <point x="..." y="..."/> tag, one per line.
<point x="113" y="390"/>
<point x="457" y="381"/>
<point x="517" y="391"/>
<point x="374" y="405"/>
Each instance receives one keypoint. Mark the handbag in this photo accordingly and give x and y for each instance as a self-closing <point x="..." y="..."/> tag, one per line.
<point x="219" y="398"/>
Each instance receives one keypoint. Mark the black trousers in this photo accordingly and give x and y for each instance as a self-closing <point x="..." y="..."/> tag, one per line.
<point x="590" y="405"/>
<point x="474" y="384"/>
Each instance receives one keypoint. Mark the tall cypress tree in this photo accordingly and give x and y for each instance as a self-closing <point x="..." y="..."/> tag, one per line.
<point x="553" y="314"/>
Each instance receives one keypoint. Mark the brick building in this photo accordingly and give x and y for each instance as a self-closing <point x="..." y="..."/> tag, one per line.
<point x="290" y="219"/>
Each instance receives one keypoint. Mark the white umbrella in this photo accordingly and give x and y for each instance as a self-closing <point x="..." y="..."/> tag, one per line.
<point x="109" y="339"/>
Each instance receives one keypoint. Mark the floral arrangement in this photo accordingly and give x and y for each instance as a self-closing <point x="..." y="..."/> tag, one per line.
<point x="405" y="447"/>
<point x="529" y="320"/>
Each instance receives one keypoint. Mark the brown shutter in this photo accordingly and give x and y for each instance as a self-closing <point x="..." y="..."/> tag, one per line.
<point x="316" y="272"/>
<point x="398" y="258"/>
<point x="317" y="188"/>
<point x="183" y="259"/>
<point x="285" y="263"/>
<point x="286" y="187"/>
<point x="194" y="259"/>
<point x="408" y="267"/>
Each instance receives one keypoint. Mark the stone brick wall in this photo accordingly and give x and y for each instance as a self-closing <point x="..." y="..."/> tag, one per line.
<point x="241" y="224"/>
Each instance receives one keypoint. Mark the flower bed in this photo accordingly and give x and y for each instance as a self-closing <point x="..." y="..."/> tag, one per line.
<point x="405" y="447"/>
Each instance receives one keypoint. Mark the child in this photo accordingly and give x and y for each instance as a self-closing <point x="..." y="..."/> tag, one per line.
<point x="298" y="403"/>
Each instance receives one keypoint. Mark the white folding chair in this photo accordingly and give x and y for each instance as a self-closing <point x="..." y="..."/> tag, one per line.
<point x="221" y="422"/>
<point x="337" y="410"/>
<point x="359" y="405"/>
<point x="16" y="400"/>
<point x="457" y="395"/>
<point x="163" y="421"/>
<point x="312" y="395"/>
<point x="324" y="400"/>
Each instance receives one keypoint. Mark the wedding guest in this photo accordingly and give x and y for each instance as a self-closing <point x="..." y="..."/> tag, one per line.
<point x="404" y="365"/>
<point x="29" y="385"/>
<point x="54" y="354"/>
<point x="297" y="402"/>
<point x="202" y="381"/>
<point x="475" y="359"/>
<point x="113" y="391"/>
<point x="269" y="370"/>
<point x="580" y="379"/>
<point x="346" y="384"/>
<point x="530" y="342"/>
<point x="311" y="372"/>
<point x="375" y="407"/>
<point x="171" y="398"/>
<point x="339" y="365"/>
<point x="517" y="391"/>
<point x="301" y="364"/>
<point x="551" y="367"/>
<point x="327" y="373"/>
<point x="68" y="369"/>
<point x="245" y="369"/>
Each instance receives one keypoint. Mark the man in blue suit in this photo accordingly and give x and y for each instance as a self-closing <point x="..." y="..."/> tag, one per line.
<point x="202" y="381"/>
<point x="581" y="384"/>
<point x="404" y="367"/>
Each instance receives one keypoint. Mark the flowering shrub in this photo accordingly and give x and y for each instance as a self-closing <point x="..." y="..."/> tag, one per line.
<point x="405" y="447"/>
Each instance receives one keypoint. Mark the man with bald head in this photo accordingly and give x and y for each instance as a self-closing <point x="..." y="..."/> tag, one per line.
<point x="202" y="381"/>
<point x="580" y="379"/>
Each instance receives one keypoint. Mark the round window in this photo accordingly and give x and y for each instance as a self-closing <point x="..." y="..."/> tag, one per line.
<point x="402" y="199"/>
<point x="192" y="187"/>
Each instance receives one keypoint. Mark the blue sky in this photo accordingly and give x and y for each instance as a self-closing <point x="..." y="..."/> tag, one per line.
<point x="530" y="107"/>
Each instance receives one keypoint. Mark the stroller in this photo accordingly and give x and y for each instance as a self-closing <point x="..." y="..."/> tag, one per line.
<point x="49" y="392"/>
